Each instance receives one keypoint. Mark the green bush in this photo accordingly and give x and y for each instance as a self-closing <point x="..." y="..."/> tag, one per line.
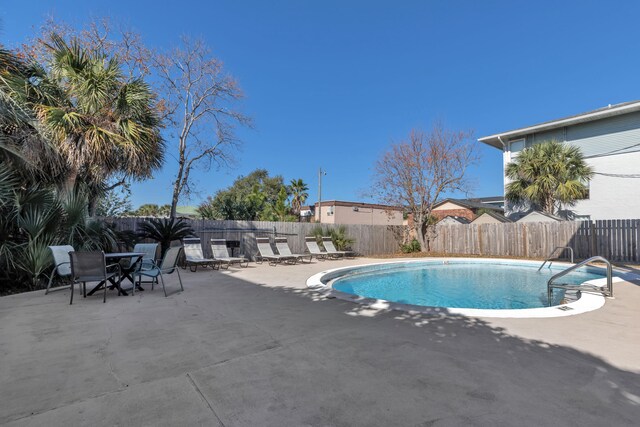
<point x="413" y="246"/>
<point x="166" y="230"/>
<point x="341" y="241"/>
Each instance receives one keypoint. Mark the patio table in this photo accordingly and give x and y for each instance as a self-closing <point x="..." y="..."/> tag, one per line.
<point x="126" y="272"/>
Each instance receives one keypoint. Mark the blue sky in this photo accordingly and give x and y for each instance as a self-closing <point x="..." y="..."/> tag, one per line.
<point x="333" y="83"/>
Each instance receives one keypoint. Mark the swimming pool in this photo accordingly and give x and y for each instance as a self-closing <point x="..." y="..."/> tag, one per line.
<point x="501" y="288"/>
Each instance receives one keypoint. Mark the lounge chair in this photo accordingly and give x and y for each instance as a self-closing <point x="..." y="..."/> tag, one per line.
<point x="167" y="266"/>
<point x="194" y="257"/>
<point x="314" y="249"/>
<point x="266" y="253"/>
<point x="331" y="249"/>
<point x="284" y="249"/>
<point x="62" y="265"/>
<point x="221" y="253"/>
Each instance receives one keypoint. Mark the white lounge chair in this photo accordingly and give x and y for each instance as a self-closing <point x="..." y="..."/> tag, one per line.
<point x="221" y="253"/>
<point x="283" y="249"/>
<point x="266" y="253"/>
<point x="314" y="249"/>
<point x="194" y="256"/>
<point x="331" y="249"/>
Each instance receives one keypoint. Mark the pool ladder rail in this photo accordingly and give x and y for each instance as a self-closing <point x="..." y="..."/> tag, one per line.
<point x="550" y="258"/>
<point x="608" y="291"/>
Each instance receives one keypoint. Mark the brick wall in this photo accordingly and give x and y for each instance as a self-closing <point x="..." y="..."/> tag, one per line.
<point x="465" y="213"/>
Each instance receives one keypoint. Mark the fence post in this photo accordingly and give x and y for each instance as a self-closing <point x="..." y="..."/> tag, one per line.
<point x="592" y="238"/>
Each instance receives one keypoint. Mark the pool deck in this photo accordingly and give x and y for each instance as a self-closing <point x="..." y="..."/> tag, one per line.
<point x="255" y="347"/>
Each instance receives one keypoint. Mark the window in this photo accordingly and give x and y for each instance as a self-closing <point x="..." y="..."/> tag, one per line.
<point x="516" y="145"/>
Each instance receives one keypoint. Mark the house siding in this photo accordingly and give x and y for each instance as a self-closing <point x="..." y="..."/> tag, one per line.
<point x="610" y="145"/>
<point x="486" y="219"/>
<point x="339" y="214"/>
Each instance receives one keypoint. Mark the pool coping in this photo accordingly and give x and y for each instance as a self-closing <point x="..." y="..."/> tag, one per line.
<point x="588" y="301"/>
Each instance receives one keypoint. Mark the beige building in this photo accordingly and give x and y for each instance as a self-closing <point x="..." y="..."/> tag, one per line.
<point x="491" y="218"/>
<point x="340" y="212"/>
<point x="537" y="216"/>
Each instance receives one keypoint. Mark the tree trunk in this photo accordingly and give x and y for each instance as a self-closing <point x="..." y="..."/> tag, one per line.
<point x="93" y="205"/>
<point x="418" y="228"/>
<point x="70" y="182"/>
<point x="174" y="199"/>
<point x="177" y="186"/>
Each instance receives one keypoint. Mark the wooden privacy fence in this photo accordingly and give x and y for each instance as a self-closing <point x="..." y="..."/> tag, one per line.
<point x="616" y="240"/>
<point x="369" y="239"/>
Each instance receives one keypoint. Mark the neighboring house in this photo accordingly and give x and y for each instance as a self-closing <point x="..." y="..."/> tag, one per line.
<point x="495" y="201"/>
<point x="306" y="213"/>
<point x="465" y="208"/>
<point x="491" y="218"/>
<point x="453" y="220"/>
<point x="609" y="139"/>
<point x="341" y="212"/>
<point x="537" y="216"/>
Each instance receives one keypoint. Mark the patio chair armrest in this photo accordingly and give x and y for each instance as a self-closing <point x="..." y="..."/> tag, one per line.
<point x="115" y="266"/>
<point x="147" y="264"/>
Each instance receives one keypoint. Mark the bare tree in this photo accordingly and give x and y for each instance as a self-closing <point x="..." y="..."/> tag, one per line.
<point x="98" y="34"/>
<point x="418" y="172"/>
<point x="200" y="100"/>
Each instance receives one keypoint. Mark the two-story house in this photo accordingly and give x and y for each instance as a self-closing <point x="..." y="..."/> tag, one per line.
<point x="609" y="139"/>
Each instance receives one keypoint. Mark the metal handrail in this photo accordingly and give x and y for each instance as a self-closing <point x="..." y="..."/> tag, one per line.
<point x="609" y="291"/>
<point x="549" y="258"/>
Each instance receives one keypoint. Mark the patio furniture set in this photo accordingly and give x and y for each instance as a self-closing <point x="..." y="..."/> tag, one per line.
<point x="82" y="267"/>
<point x="109" y="270"/>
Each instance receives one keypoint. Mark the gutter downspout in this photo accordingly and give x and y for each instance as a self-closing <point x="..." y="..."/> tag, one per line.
<point x="504" y="176"/>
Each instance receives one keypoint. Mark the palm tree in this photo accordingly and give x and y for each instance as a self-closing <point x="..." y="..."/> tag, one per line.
<point x="547" y="176"/>
<point x="299" y="194"/>
<point x="101" y="123"/>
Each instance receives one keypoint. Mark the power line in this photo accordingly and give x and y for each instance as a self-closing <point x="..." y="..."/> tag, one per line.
<point x="612" y="151"/>
<point x="619" y="175"/>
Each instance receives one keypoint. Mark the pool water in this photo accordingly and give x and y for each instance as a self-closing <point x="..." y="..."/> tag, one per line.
<point x="459" y="285"/>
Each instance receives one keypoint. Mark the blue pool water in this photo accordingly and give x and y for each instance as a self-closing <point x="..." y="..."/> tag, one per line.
<point x="458" y="284"/>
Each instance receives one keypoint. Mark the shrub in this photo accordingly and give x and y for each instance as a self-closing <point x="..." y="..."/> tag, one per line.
<point x="338" y="235"/>
<point x="413" y="246"/>
<point x="166" y="230"/>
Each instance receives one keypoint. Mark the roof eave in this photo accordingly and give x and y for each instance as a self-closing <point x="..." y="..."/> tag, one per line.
<point x="494" y="140"/>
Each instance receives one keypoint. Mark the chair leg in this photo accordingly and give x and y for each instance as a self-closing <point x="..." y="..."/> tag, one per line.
<point x="180" y="280"/>
<point x="84" y="289"/>
<point x="163" y="288"/>
<point x="73" y="285"/>
<point x="49" y="284"/>
<point x="104" y="294"/>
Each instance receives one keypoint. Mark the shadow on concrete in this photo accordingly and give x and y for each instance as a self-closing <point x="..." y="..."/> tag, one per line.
<point x="467" y="359"/>
<point x="276" y="355"/>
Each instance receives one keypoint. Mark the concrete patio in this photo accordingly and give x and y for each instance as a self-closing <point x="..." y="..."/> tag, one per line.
<point x="254" y="347"/>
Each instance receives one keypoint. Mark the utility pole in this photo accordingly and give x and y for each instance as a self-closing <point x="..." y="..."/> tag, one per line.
<point x="320" y="174"/>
